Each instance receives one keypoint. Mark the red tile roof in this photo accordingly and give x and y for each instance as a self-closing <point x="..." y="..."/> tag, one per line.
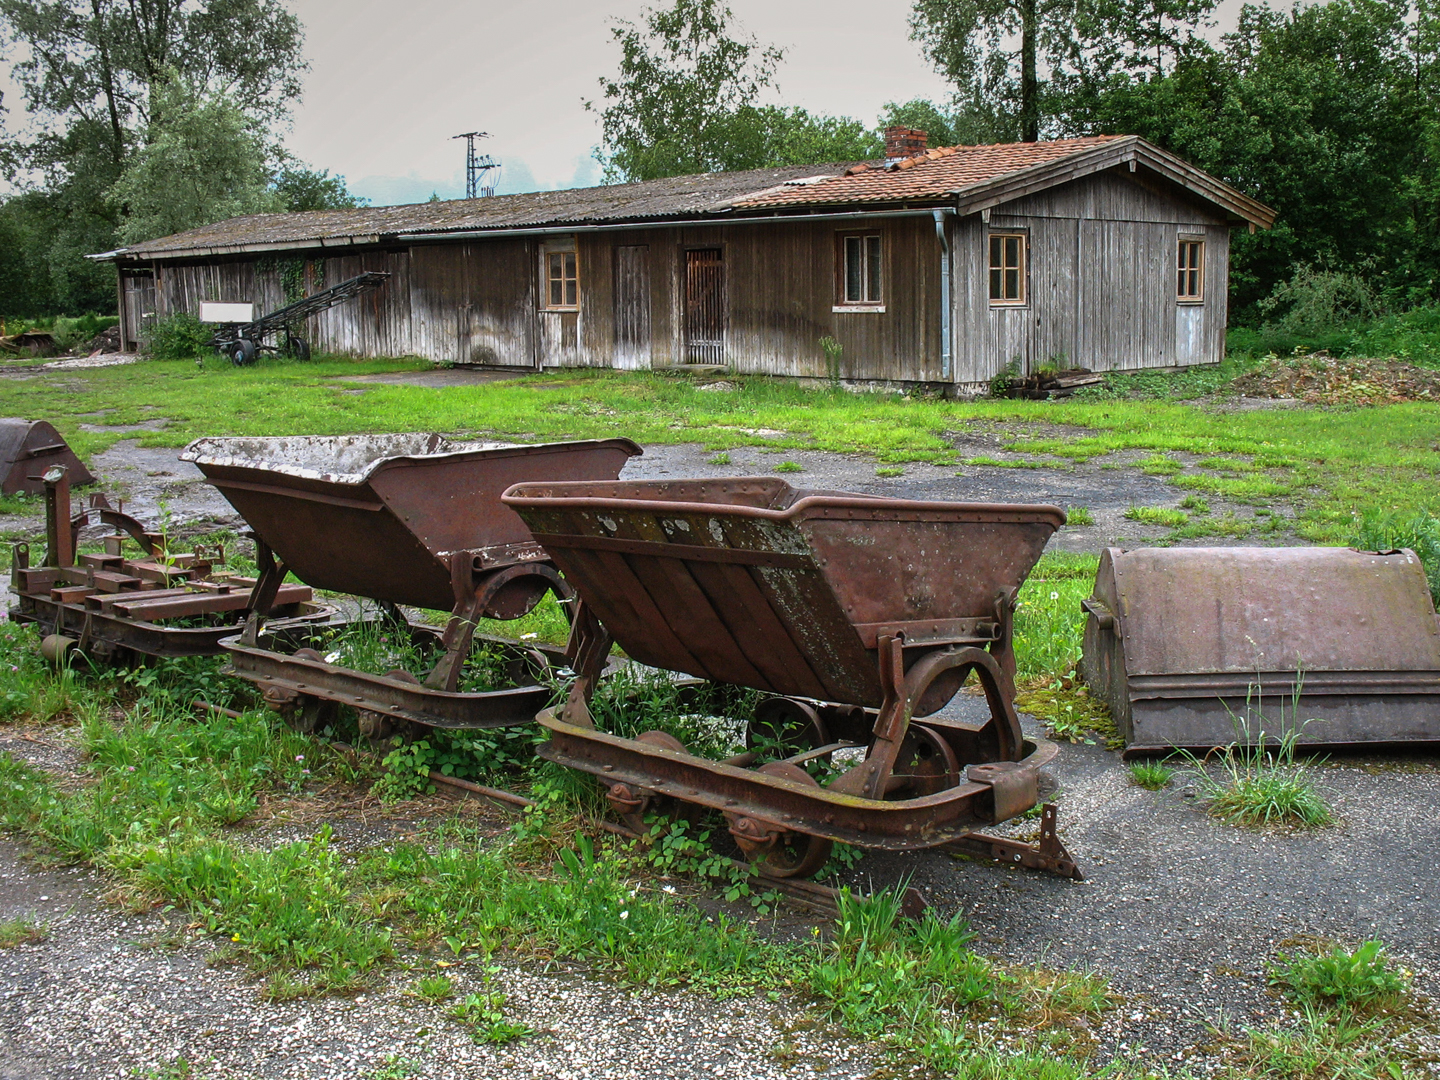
<point x="935" y="173"/>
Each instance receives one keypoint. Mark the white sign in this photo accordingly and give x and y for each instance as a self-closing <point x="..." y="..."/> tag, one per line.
<point x="228" y="313"/>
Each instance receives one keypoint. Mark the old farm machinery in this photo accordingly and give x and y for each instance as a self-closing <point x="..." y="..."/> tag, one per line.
<point x="29" y="449"/>
<point x="1203" y="647"/>
<point x="117" y="607"/>
<point x="241" y="341"/>
<point x="401" y="520"/>
<point x="858" y="615"/>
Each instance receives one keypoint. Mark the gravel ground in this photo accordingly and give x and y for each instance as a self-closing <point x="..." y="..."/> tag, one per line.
<point x="1181" y="913"/>
<point x="146" y="478"/>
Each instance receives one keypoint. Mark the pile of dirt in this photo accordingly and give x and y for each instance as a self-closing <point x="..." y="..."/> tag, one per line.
<point x="107" y="341"/>
<point x="1322" y="379"/>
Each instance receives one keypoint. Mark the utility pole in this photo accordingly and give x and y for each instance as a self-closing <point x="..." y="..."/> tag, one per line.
<point x="476" y="166"/>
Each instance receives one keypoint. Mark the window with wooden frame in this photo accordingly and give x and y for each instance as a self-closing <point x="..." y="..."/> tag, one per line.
<point x="1007" y="268"/>
<point x="560" y="273"/>
<point x="1190" y="270"/>
<point x="861" y="277"/>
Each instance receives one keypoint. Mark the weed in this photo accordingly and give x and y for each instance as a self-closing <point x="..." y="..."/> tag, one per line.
<point x="722" y="458"/>
<point x="179" y="1069"/>
<point x="1079" y="517"/>
<point x="1150" y="775"/>
<point x="1260" y="781"/>
<point x="833" y="350"/>
<point x="433" y="988"/>
<point x="789" y="467"/>
<point x="1157" y="515"/>
<point x="1332" y="1044"/>
<point x="1195" y="504"/>
<point x="395" y="1067"/>
<point x="22" y="930"/>
<point x="484" y="1014"/>
<point x="1356" y="978"/>
<point x="889" y="470"/>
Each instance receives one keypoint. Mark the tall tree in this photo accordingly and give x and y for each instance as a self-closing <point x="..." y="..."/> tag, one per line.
<point x="92" y="73"/>
<point x="203" y="160"/>
<point x="1016" y="64"/>
<point x="687" y="98"/>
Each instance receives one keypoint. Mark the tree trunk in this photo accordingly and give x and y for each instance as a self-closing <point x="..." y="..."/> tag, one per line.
<point x="1029" y="83"/>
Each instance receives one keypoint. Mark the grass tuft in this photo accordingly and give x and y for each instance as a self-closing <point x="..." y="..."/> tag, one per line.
<point x="1157" y="515"/>
<point x="1150" y="775"/>
<point x="1261" y="783"/>
<point x="789" y="467"/>
<point x="22" y="930"/>
<point x="1078" y="517"/>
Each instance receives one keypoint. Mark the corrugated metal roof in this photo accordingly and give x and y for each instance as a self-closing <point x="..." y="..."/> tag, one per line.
<point x="967" y="178"/>
<point x="675" y="196"/>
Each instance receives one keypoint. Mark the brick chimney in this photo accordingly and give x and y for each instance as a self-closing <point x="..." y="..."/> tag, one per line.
<point x="903" y="142"/>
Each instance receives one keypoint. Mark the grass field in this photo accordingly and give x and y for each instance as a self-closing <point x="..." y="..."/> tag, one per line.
<point x="1325" y="463"/>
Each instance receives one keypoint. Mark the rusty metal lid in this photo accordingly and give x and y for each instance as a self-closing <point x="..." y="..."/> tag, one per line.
<point x="1247" y="610"/>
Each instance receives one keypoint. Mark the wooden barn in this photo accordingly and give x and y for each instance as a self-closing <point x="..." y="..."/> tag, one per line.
<point x="934" y="266"/>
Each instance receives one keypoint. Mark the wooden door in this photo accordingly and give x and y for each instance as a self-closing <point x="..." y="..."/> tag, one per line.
<point x="632" y="306"/>
<point x="704" y="306"/>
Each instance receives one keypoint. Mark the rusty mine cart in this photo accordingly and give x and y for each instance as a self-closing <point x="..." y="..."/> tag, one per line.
<point x="117" y="607"/>
<point x="856" y="614"/>
<point x="408" y="519"/>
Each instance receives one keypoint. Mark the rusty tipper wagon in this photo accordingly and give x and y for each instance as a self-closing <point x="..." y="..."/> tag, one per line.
<point x="407" y="519"/>
<point x="857" y="613"/>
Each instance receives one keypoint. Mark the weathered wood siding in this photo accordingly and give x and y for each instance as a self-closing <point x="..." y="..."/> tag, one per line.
<point x="1101" y="293"/>
<point x="1102" y="268"/>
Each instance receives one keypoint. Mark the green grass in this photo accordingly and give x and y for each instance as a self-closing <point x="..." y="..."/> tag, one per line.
<point x="1325" y="463"/>
<point x="789" y="467"/>
<point x="1049" y="623"/>
<point x="1078" y="517"/>
<point x="434" y="988"/>
<point x="1150" y="775"/>
<point x="889" y="470"/>
<point x="1195" y="504"/>
<point x="22" y="930"/>
<point x="1157" y="515"/>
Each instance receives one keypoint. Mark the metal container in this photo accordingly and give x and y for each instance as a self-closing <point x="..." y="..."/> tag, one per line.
<point x="861" y="612"/>
<point x="1204" y="647"/>
<point x="382" y="516"/>
<point x="27" y="449"/>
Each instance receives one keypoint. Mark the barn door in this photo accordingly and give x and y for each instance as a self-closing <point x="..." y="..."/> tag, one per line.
<point x="632" y="306"/>
<point x="704" y="306"/>
<point x="138" y="290"/>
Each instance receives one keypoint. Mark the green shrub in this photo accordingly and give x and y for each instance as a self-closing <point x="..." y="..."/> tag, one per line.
<point x="179" y="337"/>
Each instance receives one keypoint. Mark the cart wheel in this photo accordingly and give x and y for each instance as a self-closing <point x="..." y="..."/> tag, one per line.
<point x="242" y="353"/>
<point x="793" y="855"/>
<point x="633" y="803"/>
<point x="785" y="726"/>
<point x="927" y="764"/>
<point x="300" y="349"/>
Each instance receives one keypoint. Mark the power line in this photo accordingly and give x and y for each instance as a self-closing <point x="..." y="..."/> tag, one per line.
<point x="477" y="166"/>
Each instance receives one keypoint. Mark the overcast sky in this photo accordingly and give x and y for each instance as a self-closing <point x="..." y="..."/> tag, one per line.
<point x="392" y="80"/>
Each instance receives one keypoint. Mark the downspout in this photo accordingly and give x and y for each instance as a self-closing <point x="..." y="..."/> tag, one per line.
<point x="945" y="313"/>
